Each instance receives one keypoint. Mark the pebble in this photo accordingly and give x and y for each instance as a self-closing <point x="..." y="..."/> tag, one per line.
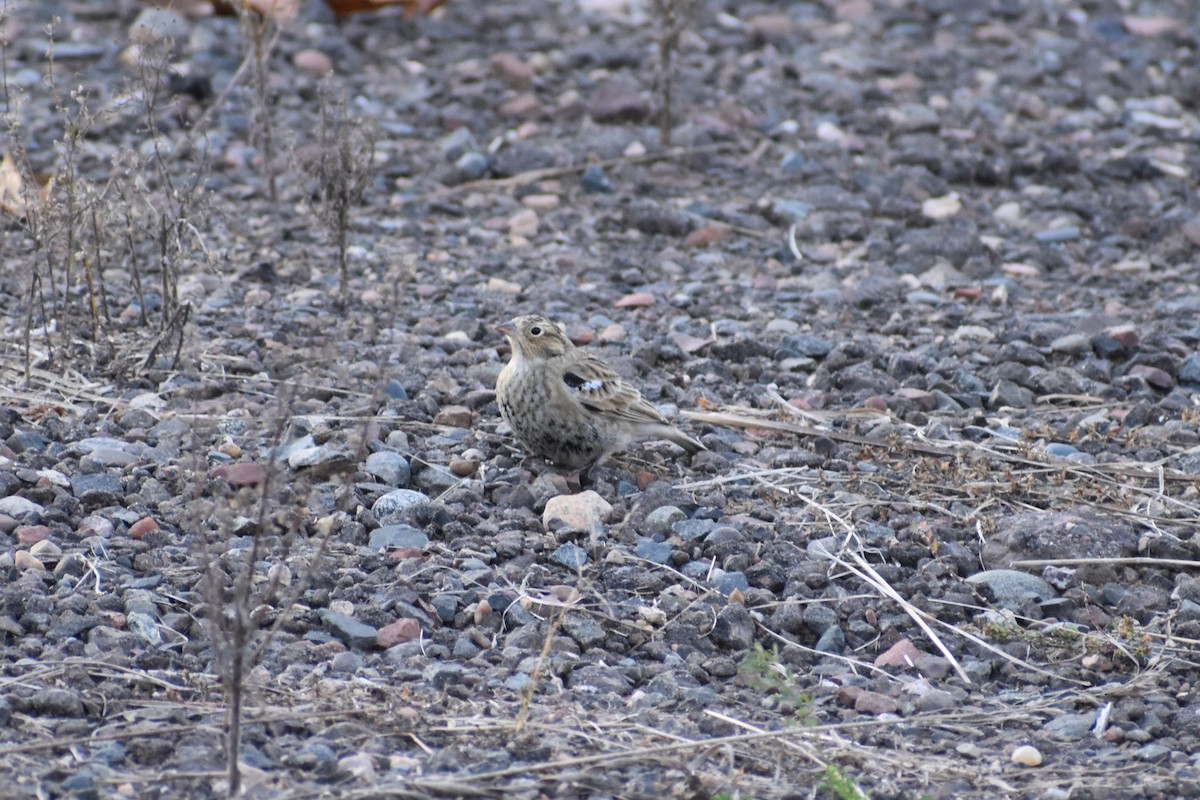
<point x="472" y="165"/>
<point x="312" y="60"/>
<point x="585" y="630"/>
<point x="1027" y="755"/>
<point x="397" y="500"/>
<point x="693" y="529"/>
<point x="584" y="512"/>
<point x="352" y="632"/>
<point x="514" y="72"/>
<point x="1012" y="588"/>
<point x="24" y="560"/>
<point x="1070" y="727"/>
<point x="397" y="536"/>
<point x="399" y="632"/>
<point x="97" y="489"/>
<point x="595" y="181"/>
<point x="246" y="473"/>
<point x="143" y="526"/>
<point x="389" y="466"/>
<point x="457" y="143"/>
<point x="618" y="101"/>
<point x="570" y="555"/>
<point x="657" y="552"/>
<point x="523" y="223"/>
<point x="903" y="654"/>
<point x="32" y="533"/>
<point x="661" y="520"/>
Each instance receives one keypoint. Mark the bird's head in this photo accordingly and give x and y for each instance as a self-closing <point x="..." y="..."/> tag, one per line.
<point x="534" y="336"/>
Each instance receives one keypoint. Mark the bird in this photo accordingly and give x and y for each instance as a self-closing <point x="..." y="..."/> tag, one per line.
<point x="568" y="406"/>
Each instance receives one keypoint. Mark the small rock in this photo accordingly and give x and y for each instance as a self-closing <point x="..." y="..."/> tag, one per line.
<point x="661" y="519"/>
<point x="245" y="473"/>
<point x="390" y="467"/>
<point x="501" y="286"/>
<point x="1071" y="727"/>
<point x="936" y="700"/>
<point x="570" y="555"/>
<point x="24" y="561"/>
<point x="1011" y="587"/>
<point x="312" y="60"/>
<point x="398" y="632"/>
<point x="875" y="703"/>
<point x="833" y="640"/>
<point x="523" y="223"/>
<point x="584" y="512"/>
<point x="595" y="181"/>
<point x="472" y="165"/>
<point x="540" y="202"/>
<point x="585" y="630"/>
<point x="730" y="584"/>
<point x="523" y="106"/>
<point x="350" y="631"/>
<point x="1010" y="395"/>
<point x="733" y="628"/>
<point x="618" y="101"/>
<point x="903" y="654"/>
<point x="510" y="69"/>
<point x="143" y="526"/>
<point x="655" y="552"/>
<point x="1158" y="378"/>
<point x="1073" y="344"/>
<point x="97" y="488"/>
<point x="32" y="533"/>
<point x="464" y="467"/>
<point x="397" y="536"/>
<point x="396" y="500"/>
<point x="636" y="300"/>
<point x="939" y="208"/>
<point x="1189" y="369"/>
<point x="457" y="142"/>
<point x="1027" y="755"/>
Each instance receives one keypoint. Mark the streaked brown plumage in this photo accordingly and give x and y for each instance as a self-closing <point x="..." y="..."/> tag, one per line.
<point x="566" y="405"/>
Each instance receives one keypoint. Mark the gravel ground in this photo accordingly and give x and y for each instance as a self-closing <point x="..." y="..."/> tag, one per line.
<point x="921" y="275"/>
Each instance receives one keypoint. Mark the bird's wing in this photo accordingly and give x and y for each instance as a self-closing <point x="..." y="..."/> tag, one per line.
<point x="600" y="390"/>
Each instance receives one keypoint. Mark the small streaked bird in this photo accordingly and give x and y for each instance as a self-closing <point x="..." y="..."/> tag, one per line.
<point x="566" y="405"/>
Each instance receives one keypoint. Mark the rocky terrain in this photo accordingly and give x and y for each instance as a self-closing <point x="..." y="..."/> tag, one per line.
<point x="921" y="276"/>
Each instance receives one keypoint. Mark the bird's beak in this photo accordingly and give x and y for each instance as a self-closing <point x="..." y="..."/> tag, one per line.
<point x="508" y="328"/>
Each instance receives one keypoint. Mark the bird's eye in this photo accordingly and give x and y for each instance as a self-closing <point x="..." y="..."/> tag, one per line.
<point x="535" y="331"/>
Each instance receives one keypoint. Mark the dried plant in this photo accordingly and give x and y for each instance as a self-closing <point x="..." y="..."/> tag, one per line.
<point x="343" y="169"/>
<point x="672" y="16"/>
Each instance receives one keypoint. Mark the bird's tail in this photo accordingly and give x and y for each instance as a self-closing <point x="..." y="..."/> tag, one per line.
<point x="673" y="434"/>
